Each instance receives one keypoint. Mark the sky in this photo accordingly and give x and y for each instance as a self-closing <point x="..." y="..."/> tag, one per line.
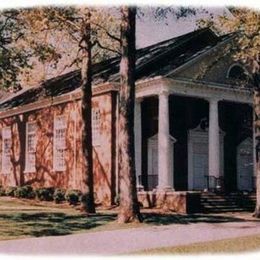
<point x="150" y="31"/>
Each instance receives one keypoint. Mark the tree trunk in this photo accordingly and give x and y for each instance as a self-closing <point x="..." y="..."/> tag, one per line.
<point x="87" y="200"/>
<point x="129" y="209"/>
<point x="256" y="128"/>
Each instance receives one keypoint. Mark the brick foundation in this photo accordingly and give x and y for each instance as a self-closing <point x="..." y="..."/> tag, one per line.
<point x="185" y="202"/>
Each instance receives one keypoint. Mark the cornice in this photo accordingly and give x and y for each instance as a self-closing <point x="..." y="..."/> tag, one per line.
<point x="52" y="101"/>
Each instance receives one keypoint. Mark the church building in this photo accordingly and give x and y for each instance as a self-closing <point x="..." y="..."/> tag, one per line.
<point x="193" y="123"/>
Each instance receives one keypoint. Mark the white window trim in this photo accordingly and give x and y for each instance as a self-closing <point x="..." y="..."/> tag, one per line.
<point x="4" y="169"/>
<point x="55" y="166"/>
<point x="96" y="128"/>
<point x="236" y="65"/>
<point x="27" y="168"/>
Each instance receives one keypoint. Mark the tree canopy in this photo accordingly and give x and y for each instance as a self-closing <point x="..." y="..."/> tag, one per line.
<point x="48" y="40"/>
<point x="246" y="22"/>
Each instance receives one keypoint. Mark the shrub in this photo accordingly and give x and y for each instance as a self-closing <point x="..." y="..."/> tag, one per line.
<point x="24" y="192"/>
<point x="45" y="194"/>
<point x="73" y="196"/>
<point x="59" y="195"/>
<point x="10" y="191"/>
<point x="2" y="191"/>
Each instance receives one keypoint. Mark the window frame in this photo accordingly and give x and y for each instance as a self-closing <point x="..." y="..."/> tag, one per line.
<point x="245" y="71"/>
<point x="57" y="152"/>
<point x="6" y="170"/>
<point x="96" y="126"/>
<point x="29" y="168"/>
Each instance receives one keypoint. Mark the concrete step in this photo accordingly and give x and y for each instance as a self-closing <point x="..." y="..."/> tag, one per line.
<point x="216" y="210"/>
<point x="234" y="202"/>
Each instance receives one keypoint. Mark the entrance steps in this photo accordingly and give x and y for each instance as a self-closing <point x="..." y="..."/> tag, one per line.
<point x="232" y="202"/>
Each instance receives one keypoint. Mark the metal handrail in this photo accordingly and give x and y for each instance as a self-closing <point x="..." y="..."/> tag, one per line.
<point x="214" y="183"/>
<point x="152" y="181"/>
<point x="254" y="183"/>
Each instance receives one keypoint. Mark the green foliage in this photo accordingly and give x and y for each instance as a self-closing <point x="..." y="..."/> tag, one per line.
<point x="10" y="191"/>
<point x="45" y="194"/>
<point x="12" y="58"/>
<point x="59" y="195"/>
<point x="51" y="36"/>
<point x="163" y="12"/>
<point x="2" y="191"/>
<point x="73" y="196"/>
<point x="24" y="192"/>
<point x="246" y="23"/>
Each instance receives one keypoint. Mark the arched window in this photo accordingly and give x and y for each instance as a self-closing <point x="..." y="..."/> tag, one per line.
<point x="237" y="72"/>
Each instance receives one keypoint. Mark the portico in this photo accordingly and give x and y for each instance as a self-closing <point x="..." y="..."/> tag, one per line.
<point x="171" y="95"/>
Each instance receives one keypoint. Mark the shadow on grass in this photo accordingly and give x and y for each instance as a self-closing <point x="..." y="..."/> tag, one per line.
<point x="50" y="224"/>
<point x="37" y="224"/>
<point x="167" y="219"/>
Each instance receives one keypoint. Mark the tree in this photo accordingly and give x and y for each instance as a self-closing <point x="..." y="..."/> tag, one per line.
<point x="12" y="58"/>
<point x="129" y="208"/>
<point x="86" y="111"/>
<point x="54" y="34"/>
<point x="77" y="24"/>
<point x="245" y="23"/>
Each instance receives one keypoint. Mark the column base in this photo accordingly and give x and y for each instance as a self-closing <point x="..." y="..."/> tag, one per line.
<point x="164" y="189"/>
<point x="139" y="187"/>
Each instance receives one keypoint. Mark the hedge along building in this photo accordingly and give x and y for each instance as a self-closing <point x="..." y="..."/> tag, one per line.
<point x="192" y="123"/>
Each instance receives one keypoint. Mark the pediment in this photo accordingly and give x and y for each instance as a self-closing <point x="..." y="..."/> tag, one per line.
<point x="211" y="66"/>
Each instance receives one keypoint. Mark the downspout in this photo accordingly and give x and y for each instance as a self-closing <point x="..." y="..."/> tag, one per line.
<point x="117" y="132"/>
<point x="74" y="116"/>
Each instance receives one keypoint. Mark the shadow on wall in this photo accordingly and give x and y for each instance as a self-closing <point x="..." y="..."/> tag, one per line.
<point x="102" y="181"/>
<point x="44" y="175"/>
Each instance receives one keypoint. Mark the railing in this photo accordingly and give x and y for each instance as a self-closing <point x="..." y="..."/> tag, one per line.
<point x="152" y="181"/>
<point x="215" y="184"/>
<point x="254" y="183"/>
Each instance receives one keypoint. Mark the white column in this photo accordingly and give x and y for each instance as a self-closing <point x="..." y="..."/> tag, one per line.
<point x="164" y="174"/>
<point x="214" y="141"/>
<point x="138" y="141"/>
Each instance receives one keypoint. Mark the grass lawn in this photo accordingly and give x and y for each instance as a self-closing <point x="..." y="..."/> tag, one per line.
<point x="28" y="218"/>
<point x="234" y="245"/>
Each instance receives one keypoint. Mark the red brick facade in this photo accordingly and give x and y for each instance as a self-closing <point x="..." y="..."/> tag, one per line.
<point x="71" y="178"/>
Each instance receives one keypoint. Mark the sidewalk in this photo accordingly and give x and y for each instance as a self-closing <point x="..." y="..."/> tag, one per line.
<point x="129" y="240"/>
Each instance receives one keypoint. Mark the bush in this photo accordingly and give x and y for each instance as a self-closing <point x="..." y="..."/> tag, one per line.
<point x="24" y="192"/>
<point x="45" y="194"/>
<point x="2" y="191"/>
<point x="10" y="191"/>
<point x="59" y="195"/>
<point x="73" y="196"/>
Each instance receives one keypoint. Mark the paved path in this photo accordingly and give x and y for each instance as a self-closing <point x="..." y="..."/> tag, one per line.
<point x="129" y="240"/>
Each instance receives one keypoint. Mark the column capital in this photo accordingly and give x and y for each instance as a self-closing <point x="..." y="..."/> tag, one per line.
<point x="164" y="92"/>
<point x="139" y="99"/>
<point x="213" y="100"/>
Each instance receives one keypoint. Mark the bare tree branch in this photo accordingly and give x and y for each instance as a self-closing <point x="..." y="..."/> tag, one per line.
<point x="108" y="33"/>
<point x="97" y="42"/>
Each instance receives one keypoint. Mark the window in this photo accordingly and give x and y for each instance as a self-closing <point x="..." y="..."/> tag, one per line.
<point x="30" y="147"/>
<point x="96" y="126"/>
<point x="59" y="143"/>
<point x="6" y="150"/>
<point x="237" y="72"/>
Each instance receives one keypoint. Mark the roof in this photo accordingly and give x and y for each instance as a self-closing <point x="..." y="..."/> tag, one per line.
<point x="155" y="60"/>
